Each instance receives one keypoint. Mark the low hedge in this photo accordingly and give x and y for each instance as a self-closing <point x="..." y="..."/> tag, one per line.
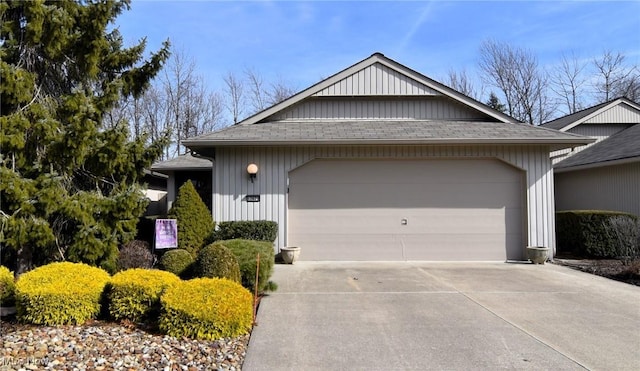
<point x="177" y="261"/>
<point x="7" y="287"/>
<point x="259" y="230"/>
<point x="246" y="252"/>
<point x="596" y="233"/>
<point x="134" y="294"/>
<point x="60" y="293"/>
<point x="206" y="308"/>
<point x="217" y="261"/>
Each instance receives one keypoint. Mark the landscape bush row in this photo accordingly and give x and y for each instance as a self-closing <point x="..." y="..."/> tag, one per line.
<point x="73" y="293"/>
<point x="598" y="234"/>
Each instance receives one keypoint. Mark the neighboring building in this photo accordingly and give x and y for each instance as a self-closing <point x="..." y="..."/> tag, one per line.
<point x="379" y="162"/>
<point x="156" y="192"/>
<point x="604" y="175"/>
<point x="183" y="168"/>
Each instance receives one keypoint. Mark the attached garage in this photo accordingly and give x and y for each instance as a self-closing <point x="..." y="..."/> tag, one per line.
<point x="406" y="210"/>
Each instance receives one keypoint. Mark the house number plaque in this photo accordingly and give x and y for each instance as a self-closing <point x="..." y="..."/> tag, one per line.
<point x="252" y="198"/>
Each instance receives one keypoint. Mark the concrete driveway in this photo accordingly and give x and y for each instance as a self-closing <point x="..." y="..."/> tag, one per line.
<point x="444" y="316"/>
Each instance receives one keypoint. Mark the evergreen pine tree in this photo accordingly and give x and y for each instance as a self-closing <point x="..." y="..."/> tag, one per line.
<point x="195" y="223"/>
<point x="494" y="103"/>
<point x="69" y="187"/>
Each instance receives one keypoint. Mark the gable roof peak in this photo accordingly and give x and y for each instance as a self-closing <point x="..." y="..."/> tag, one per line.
<point x="427" y="86"/>
<point x="572" y="120"/>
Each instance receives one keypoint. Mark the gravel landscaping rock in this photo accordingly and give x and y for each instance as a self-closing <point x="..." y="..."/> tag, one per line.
<point x="108" y="346"/>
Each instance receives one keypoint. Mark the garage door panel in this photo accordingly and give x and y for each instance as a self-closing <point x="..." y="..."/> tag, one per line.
<point x="447" y="247"/>
<point x="455" y="210"/>
<point x="351" y="247"/>
<point x="341" y="196"/>
<point x="409" y="171"/>
<point x="390" y="221"/>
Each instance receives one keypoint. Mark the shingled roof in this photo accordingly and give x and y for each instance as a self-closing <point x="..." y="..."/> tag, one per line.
<point x="578" y="117"/>
<point x="624" y="145"/>
<point x="182" y="162"/>
<point x="385" y="132"/>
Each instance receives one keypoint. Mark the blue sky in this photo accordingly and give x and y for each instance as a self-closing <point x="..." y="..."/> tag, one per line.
<point x="303" y="42"/>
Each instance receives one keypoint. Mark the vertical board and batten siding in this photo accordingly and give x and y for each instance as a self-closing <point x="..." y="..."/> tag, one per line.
<point x="354" y="108"/>
<point x="232" y="183"/>
<point x="619" y="114"/>
<point x="606" y="188"/>
<point x="598" y="131"/>
<point x="376" y="79"/>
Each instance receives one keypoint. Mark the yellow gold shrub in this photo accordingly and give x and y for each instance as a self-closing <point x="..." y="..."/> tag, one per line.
<point x="7" y="287"/>
<point x="206" y="308"/>
<point x="134" y="294"/>
<point x="60" y="293"/>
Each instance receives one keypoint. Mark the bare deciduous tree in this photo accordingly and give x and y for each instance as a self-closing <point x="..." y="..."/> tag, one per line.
<point x="568" y="81"/>
<point x="461" y="82"/>
<point x="235" y="99"/>
<point x="612" y="75"/>
<point x="515" y="72"/>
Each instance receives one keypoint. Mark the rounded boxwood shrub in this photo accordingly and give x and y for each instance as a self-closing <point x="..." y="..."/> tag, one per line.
<point x="195" y="223"/>
<point x="176" y="261"/>
<point x="216" y="260"/>
<point x="246" y="252"/>
<point x="134" y="294"/>
<point x="7" y="287"/>
<point x="206" y="308"/>
<point x="60" y="293"/>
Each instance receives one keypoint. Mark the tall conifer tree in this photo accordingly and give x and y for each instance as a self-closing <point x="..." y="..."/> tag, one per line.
<point x="69" y="187"/>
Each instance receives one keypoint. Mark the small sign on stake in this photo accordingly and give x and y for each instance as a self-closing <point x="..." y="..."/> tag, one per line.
<point x="166" y="235"/>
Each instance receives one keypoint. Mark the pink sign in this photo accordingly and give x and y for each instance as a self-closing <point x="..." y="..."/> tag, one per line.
<point x="166" y="233"/>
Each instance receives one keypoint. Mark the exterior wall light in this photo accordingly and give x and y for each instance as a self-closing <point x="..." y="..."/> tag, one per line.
<point x="252" y="170"/>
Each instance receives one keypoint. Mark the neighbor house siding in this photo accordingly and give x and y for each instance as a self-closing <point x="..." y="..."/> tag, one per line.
<point x="605" y="188"/>
<point x="620" y="113"/>
<point x="598" y="131"/>
<point x="232" y="183"/>
<point x="354" y="108"/>
<point x="376" y="79"/>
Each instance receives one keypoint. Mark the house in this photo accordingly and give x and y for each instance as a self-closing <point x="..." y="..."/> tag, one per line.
<point x="379" y="162"/>
<point x="182" y="168"/>
<point x="604" y="175"/>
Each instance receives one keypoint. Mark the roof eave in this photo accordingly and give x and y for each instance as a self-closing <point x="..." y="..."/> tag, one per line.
<point x="556" y="143"/>
<point x="593" y="165"/>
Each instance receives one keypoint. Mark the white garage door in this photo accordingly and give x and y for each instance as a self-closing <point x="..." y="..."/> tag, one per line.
<point x="406" y="210"/>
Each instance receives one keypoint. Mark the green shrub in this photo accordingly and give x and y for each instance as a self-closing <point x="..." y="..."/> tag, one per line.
<point x="60" y="293"/>
<point x="216" y="261"/>
<point x="246" y="252"/>
<point x="135" y="254"/>
<point x="195" y="223"/>
<point x="177" y="261"/>
<point x="259" y="230"/>
<point x="593" y="233"/>
<point x="206" y="308"/>
<point x="134" y="294"/>
<point x="7" y="287"/>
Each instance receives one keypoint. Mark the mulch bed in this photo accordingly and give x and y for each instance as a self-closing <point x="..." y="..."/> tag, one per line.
<point x="614" y="269"/>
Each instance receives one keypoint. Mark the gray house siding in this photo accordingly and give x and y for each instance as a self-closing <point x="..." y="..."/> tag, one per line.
<point x="376" y="80"/>
<point x="382" y="108"/>
<point x="604" y="188"/>
<point x="618" y="114"/>
<point x="231" y="183"/>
